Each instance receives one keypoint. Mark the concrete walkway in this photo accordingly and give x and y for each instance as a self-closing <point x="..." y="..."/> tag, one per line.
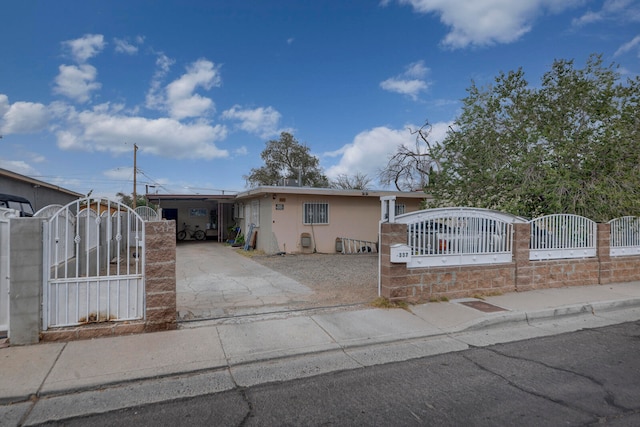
<point x="213" y="281"/>
<point x="54" y="381"/>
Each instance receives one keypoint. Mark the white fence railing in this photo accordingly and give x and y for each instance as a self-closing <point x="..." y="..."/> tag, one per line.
<point x="562" y="236"/>
<point x="625" y="236"/>
<point x="458" y="236"/>
<point x="356" y="246"/>
<point x="467" y="236"/>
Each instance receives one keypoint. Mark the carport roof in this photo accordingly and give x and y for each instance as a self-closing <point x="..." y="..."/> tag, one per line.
<point x="198" y="197"/>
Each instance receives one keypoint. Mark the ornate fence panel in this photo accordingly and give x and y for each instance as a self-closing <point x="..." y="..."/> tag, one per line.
<point x="147" y="213"/>
<point x="93" y="269"/>
<point x="562" y="236"/>
<point x="625" y="236"/>
<point x="458" y="236"/>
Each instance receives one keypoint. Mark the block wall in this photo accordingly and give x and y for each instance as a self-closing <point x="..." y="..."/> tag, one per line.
<point x="397" y="282"/>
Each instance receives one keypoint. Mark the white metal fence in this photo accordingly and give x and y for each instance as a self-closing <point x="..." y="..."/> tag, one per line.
<point x="5" y="250"/>
<point x="93" y="264"/>
<point x="466" y="236"/>
<point x="562" y="236"/>
<point x="458" y="236"/>
<point x="625" y="236"/>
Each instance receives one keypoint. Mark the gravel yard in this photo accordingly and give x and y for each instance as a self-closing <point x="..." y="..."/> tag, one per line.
<point x="336" y="279"/>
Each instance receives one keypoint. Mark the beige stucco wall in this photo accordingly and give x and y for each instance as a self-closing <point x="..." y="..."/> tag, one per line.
<point x="352" y="217"/>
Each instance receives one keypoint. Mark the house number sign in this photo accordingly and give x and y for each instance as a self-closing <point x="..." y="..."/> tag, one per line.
<point x="400" y="253"/>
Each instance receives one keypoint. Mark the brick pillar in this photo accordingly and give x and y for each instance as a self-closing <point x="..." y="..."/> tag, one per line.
<point x="160" y="275"/>
<point x="524" y="269"/>
<point x="390" y="234"/>
<point x="604" y="253"/>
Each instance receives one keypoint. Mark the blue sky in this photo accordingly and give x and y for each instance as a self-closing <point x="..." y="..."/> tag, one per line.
<point x="201" y="86"/>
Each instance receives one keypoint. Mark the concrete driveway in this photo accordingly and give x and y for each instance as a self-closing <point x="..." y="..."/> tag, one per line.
<point x="214" y="281"/>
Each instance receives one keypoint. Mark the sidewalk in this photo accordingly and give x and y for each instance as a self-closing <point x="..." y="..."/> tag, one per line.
<point x="217" y="357"/>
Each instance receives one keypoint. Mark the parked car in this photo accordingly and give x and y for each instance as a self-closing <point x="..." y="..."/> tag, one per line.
<point x="471" y="236"/>
<point x="430" y="237"/>
<point x="18" y="203"/>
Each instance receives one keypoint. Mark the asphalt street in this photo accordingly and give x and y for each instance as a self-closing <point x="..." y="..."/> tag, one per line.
<point x="588" y="377"/>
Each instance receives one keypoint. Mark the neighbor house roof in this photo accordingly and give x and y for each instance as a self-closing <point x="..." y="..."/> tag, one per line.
<point x="32" y="181"/>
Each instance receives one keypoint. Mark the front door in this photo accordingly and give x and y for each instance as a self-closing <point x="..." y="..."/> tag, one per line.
<point x="170" y="214"/>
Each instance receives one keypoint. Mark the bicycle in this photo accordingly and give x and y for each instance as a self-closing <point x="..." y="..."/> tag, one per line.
<point x="196" y="233"/>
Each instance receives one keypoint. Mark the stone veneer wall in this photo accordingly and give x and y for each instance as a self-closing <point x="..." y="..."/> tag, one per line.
<point x="160" y="291"/>
<point x="432" y="283"/>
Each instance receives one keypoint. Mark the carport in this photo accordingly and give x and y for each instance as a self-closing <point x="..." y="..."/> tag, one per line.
<point x="212" y="213"/>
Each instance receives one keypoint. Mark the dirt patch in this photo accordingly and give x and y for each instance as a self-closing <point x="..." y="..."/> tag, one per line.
<point x="336" y="279"/>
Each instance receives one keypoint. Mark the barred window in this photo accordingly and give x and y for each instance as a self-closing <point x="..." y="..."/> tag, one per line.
<point x="400" y="207"/>
<point x="315" y="213"/>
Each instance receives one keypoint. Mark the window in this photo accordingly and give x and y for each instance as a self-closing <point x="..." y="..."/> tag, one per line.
<point x="255" y="212"/>
<point x="400" y="209"/>
<point x="198" y="212"/>
<point x="315" y="213"/>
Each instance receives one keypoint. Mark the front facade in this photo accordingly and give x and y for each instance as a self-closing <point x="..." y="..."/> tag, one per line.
<point x="307" y="220"/>
<point x="39" y="193"/>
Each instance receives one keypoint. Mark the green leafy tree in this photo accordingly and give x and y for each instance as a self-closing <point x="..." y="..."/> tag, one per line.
<point x="570" y="146"/>
<point x="127" y="199"/>
<point x="286" y="158"/>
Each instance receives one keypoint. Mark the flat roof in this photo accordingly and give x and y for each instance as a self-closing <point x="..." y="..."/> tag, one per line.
<point x="261" y="190"/>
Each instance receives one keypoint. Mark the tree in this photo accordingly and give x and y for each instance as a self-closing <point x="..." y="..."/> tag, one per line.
<point x="355" y="182"/>
<point x="127" y="199"/>
<point x="286" y="158"/>
<point x="410" y="168"/>
<point x="570" y="146"/>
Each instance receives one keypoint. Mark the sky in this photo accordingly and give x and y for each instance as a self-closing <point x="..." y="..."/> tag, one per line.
<point x="201" y="86"/>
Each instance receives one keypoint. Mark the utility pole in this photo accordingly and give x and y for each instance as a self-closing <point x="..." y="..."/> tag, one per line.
<point x="135" y="172"/>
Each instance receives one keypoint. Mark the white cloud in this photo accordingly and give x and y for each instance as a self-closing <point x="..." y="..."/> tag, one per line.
<point x="123" y="46"/>
<point x="259" y="121"/>
<point x="411" y="82"/>
<point x="486" y="22"/>
<point x="154" y="98"/>
<point x="85" y="47"/>
<point x="633" y="44"/>
<point x="76" y="82"/>
<point x="22" y="117"/>
<point x="104" y="129"/>
<point x="619" y="10"/>
<point x="181" y="100"/>
<point x="241" y="151"/>
<point x="17" y="166"/>
<point x="370" y="150"/>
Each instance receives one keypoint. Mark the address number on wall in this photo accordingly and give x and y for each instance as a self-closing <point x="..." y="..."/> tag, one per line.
<point x="400" y="253"/>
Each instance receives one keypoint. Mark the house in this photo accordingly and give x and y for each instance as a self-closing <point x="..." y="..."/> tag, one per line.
<point x="211" y="213"/>
<point x="39" y="193"/>
<point x="306" y="220"/>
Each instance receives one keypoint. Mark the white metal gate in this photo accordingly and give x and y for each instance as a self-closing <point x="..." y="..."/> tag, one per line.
<point x="5" y="214"/>
<point x="93" y="264"/>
